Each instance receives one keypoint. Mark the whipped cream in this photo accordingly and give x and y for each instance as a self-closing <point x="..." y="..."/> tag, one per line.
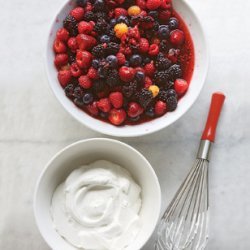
<point x="97" y="207"/>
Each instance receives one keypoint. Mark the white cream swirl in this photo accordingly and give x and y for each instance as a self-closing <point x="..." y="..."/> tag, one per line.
<point x="97" y="207"/>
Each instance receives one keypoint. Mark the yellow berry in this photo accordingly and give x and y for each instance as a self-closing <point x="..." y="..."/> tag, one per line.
<point x="154" y="89"/>
<point x="134" y="10"/>
<point x="120" y="29"/>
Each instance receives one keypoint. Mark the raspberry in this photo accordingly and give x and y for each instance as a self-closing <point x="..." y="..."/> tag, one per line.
<point x="85" y="82"/>
<point x="134" y="109"/>
<point x="153" y="50"/>
<point x="75" y="70"/>
<point x="173" y="55"/>
<point x="120" y="12"/>
<point x="117" y="116"/>
<point x="120" y="29"/>
<point x="121" y="58"/>
<point x="164" y="15"/>
<point x="154" y="89"/>
<point x="89" y="7"/>
<point x="166" y="4"/>
<point x="93" y="109"/>
<point x="85" y="42"/>
<point x="64" y="77"/>
<point x="62" y="35"/>
<point x="59" y="46"/>
<point x="116" y="99"/>
<point x="177" y="37"/>
<point x="153" y="4"/>
<point x="85" y="27"/>
<point x="149" y="68"/>
<point x="180" y="86"/>
<point x="126" y="73"/>
<point x="148" y="82"/>
<point x="143" y="45"/>
<point x="160" y="108"/>
<point x="61" y="59"/>
<point x="92" y="73"/>
<point x="72" y="44"/>
<point x="104" y="105"/>
<point x="77" y="13"/>
<point x="83" y="59"/>
<point x="134" y="10"/>
<point x="141" y="4"/>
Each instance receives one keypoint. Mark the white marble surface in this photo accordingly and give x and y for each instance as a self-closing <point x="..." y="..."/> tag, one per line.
<point x="34" y="126"/>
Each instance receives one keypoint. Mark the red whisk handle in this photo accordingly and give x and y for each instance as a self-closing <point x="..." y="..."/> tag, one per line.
<point x="213" y="116"/>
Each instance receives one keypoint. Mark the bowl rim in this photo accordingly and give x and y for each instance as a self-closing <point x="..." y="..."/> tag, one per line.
<point x="109" y="129"/>
<point x="157" y="193"/>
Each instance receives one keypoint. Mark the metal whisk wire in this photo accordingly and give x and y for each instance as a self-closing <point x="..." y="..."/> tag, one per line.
<point x="184" y="225"/>
<point x="185" y="221"/>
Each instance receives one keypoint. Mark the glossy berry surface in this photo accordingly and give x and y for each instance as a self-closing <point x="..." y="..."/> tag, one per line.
<point x="124" y="62"/>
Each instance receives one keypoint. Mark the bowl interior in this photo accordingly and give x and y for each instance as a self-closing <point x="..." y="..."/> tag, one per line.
<point x="85" y="152"/>
<point x="200" y="70"/>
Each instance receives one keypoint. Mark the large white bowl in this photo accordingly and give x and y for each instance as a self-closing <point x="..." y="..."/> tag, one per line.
<point x="87" y="151"/>
<point x="198" y="79"/>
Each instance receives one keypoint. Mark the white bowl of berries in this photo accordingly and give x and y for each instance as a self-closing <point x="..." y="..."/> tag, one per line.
<point x="126" y="68"/>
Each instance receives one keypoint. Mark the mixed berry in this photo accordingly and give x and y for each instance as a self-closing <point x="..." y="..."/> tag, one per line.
<point x="124" y="61"/>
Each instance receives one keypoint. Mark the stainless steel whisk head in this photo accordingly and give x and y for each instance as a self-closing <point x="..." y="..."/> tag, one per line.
<point x="184" y="225"/>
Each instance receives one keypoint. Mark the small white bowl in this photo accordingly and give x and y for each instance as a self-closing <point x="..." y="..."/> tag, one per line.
<point x="86" y="151"/>
<point x="197" y="82"/>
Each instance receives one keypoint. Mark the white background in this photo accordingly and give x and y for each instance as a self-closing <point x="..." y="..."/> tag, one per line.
<point x="33" y="125"/>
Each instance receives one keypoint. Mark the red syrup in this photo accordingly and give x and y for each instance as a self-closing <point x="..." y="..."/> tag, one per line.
<point x="186" y="59"/>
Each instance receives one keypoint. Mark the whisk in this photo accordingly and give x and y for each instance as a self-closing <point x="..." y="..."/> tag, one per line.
<point x="184" y="225"/>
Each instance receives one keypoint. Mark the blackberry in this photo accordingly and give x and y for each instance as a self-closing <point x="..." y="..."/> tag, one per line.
<point x="78" y="92"/>
<point x="89" y="16"/>
<point x="99" y="5"/>
<point x="78" y="102"/>
<point x="112" y="36"/>
<point x="98" y="85"/>
<point x="101" y="15"/>
<point x="129" y="89"/>
<point x="70" y="24"/>
<point x="128" y="3"/>
<point x="165" y="94"/>
<point x="174" y="71"/>
<point x="156" y="26"/>
<point x="81" y="3"/>
<point x="161" y="77"/>
<point x="172" y="103"/>
<point x="71" y="56"/>
<point x="112" y="48"/>
<point x="162" y="63"/>
<point x="164" y="46"/>
<point x="112" y="78"/>
<point x="69" y="90"/>
<point x="153" y="13"/>
<point x="122" y="19"/>
<point x="101" y="26"/>
<point x="144" y="97"/>
<point x="98" y="51"/>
